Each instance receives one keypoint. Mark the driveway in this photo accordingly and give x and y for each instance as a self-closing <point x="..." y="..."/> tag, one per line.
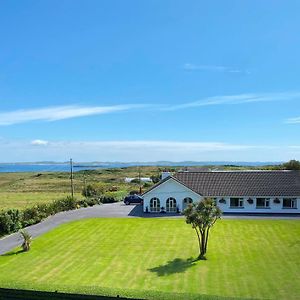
<point x="114" y="210"/>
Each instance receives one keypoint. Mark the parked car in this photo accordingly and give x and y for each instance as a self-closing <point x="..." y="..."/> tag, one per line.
<point x="133" y="199"/>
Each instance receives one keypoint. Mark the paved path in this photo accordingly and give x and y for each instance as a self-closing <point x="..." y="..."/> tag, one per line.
<point x="114" y="210"/>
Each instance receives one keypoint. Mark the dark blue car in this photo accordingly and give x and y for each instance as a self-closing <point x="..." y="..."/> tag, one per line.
<point x="133" y="199"/>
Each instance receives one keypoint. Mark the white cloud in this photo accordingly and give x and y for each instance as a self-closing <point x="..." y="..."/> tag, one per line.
<point x="143" y="150"/>
<point x="58" y="113"/>
<point x="293" y="120"/>
<point x="213" y="68"/>
<point x="238" y="99"/>
<point x="39" y="142"/>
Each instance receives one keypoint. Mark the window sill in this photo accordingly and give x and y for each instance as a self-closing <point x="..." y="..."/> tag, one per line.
<point x="289" y="208"/>
<point x="262" y="207"/>
<point x="236" y="207"/>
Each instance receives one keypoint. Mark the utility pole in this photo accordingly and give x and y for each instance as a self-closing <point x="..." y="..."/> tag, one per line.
<point x="140" y="180"/>
<point x="71" y="177"/>
<point x="84" y="183"/>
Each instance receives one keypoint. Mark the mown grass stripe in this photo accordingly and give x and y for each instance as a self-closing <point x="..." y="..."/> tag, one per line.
<point x="246" y="259"/>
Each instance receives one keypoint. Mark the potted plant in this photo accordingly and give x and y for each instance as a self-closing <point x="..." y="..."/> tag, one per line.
<point x="147" y="210"/>
<point x="223" y="201"/>
<point x="177" y="210"/>
<point x="162" y="210"/>
<point x="250" y="201"/>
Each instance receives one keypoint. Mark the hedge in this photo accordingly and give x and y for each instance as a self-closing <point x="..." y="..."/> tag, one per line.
<point x="11" y="220"/>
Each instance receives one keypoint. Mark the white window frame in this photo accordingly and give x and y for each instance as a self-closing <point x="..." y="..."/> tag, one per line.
<point x="266" y="202"/>
<point x="172" y="208"/>
<point x="293" y="203"/>
<point x="240" y="202"/>
<point x="156" y="207"/>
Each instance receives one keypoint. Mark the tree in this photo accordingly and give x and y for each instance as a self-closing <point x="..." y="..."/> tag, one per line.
<point x="26" y="240"/>
<point x="292" y="165"/>
<point x="202" y="216"/>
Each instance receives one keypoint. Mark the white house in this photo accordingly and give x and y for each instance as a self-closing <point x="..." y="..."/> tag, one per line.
<point x="233" y="191"/>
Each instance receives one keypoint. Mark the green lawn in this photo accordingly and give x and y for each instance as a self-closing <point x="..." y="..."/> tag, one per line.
<point x="136" y="257"/>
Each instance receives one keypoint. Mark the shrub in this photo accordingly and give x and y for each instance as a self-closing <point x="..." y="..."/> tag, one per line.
<point x="118" y="196"/>
<point x="26" y="240"/>
<point x="105" y="199"/>
<point x="89" y="191"/>
<point x="92" y="201"/>
<point x="147" y="184"/>
<point x="30" y="216"/>
<point x="93" y="190"/>
<point x="64" y="204"/>
<point x="10" y="221"/>
<point x="136" y="180"/>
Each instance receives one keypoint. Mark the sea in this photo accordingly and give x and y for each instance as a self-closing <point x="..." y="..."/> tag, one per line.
<point x="65" y="167"/>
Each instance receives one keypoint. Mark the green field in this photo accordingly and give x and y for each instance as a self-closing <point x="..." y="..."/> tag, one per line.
<point x="143" y="257"/>
<point x="19" y="190"/>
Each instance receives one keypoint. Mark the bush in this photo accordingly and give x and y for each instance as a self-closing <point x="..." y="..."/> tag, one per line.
<point x="147" y="184"/>
<point x="135" y="180"/>
<point x="31" y="216"/>
<point x="106" y="199"/>
<point x="94" y="190"/>
<point x="118" y="196"/>
<point x="10" y="221"/>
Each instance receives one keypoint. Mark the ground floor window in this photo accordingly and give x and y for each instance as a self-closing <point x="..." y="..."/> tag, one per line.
<point x="289" y="203"/>
<point x="262" y="203"/>
<point x="186" y="202"/>
<point x="236" y="202"/>
<point x="154" y="205"/>
<point x="171" y="205"/>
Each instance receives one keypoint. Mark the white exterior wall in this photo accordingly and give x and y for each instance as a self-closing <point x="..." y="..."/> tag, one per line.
<point x="172" y="188"/>
<point x="251" y="208"/>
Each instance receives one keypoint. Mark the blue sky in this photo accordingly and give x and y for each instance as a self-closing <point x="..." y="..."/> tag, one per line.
<point x="149" y="80"/>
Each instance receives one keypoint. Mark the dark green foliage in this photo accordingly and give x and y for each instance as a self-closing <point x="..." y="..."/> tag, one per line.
<point x="88" y="202"/>
<point x="147" y="185"/>
<point x="106" y="199"/>
<point x="136" y="180"/>
<point x="292" y="165"/>
<point x="93" y="190"/>
<point x="202" y="216"/>
<point x="12" y="220"/>
<point x="89" y="191"/>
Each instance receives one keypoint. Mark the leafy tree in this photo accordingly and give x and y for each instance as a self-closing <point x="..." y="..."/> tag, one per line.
<point x="26" y="240"/>
<point x="292" y="165"/>
<point x="202" y="216"/>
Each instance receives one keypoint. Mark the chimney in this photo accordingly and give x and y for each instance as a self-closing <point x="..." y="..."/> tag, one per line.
<point x="165" y="174"/>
